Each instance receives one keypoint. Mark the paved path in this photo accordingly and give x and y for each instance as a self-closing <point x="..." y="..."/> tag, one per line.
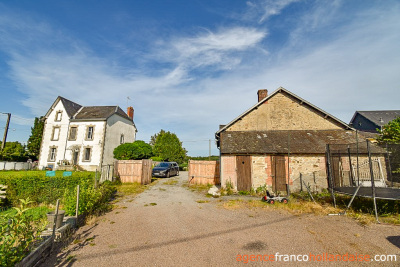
<point x="167" y="225"/>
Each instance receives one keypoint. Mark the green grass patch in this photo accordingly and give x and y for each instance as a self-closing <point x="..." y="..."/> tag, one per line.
<point x="127" y="189"/>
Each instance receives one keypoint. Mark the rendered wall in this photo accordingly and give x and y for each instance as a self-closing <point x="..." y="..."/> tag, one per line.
<point x="116" y="125"/>
<point x="228" y="171"/>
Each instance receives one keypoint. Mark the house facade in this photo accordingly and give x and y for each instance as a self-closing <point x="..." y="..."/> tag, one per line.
<point x="280" y="144"/>
<point x="85" y="137"/>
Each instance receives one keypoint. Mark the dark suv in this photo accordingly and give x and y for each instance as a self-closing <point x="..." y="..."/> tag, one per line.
<point x="165" y="169"/>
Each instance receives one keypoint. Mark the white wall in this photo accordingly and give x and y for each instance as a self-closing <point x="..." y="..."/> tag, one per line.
<point x="116" y="125"/>
<point x="47" y="136"/>
<point x="81" y="143"/>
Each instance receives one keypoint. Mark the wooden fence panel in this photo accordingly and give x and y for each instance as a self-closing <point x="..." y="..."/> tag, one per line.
<point x="204" y="172"/>
<point x="146" y="171"/>
<point x="134" y="171"/>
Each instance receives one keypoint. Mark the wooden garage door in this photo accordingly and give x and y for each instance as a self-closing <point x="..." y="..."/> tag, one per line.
<point x="279" y="174"/>
<point x="243" y="166"/>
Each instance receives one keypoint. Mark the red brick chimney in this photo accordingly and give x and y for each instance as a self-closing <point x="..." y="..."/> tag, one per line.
<point x="130" y="112"/>
<point x="262" y="93"/>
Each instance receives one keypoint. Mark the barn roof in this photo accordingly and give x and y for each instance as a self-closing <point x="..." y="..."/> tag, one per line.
<point x="283" y="142"/>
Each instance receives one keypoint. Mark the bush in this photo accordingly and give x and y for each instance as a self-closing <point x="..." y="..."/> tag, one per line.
<point x="91" y="200"/>
<point x="136" y="150"/>
<point x="17" y="235"/>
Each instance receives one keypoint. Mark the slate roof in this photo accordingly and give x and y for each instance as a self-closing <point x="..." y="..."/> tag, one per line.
<point x="378" y="117"/>
<point x="77" y="112"/>
<point x="99" y="113"/>
<point x="70" y="107"/>
<point x="279" y="142"/>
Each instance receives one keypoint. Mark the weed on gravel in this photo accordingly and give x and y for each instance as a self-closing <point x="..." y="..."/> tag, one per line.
<point x="171" y="182"/>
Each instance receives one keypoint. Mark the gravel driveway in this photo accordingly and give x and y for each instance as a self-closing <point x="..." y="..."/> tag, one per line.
<point x="169" y="225"/>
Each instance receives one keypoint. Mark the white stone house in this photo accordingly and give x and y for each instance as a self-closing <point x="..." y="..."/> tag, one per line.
<point x="84" y="136"/>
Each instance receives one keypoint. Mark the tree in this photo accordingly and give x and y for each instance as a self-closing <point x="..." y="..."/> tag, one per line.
<point x="168" y="147"/>
<point x="136" y="150"/>
<point x="14" y="151"/>
<point x="390" y="132"/>
<point x="35" y="139"/>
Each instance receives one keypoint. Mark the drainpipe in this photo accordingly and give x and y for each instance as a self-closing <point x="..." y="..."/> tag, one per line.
<point x="103" y="144"/>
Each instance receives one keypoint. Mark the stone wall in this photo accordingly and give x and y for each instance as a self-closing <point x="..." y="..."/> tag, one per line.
<point x="308" y="168"/>
<point x="281" y="112"/>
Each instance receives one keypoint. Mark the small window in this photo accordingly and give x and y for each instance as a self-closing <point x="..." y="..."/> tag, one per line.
<point x="56" y="133"/>
<point x="58" y="115"/>
<point x="122" y="139"/>
<point x="89" y="135"/>
<point x="53" y="154"/>
<point x="87" y="155"/>
<point x="72" y="133"/>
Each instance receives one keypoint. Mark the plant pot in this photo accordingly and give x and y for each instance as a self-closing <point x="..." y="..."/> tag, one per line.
<point x="59" y="220"/>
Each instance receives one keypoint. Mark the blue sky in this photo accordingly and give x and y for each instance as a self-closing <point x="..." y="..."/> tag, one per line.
<point x="188" y="66"/>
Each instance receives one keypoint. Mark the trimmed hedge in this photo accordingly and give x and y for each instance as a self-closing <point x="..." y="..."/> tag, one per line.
<point x="39" y="188"/>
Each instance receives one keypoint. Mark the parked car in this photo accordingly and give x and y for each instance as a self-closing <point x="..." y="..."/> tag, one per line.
<point x="165" y="169"/>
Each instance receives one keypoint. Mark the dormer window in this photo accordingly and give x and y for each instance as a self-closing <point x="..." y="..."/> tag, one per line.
<point x="58" y="115"/>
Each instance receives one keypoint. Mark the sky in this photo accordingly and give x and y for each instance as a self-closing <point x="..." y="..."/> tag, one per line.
<point x="189" y="66"/>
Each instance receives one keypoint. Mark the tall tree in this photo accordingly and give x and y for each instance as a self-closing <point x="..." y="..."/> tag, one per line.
<point x="168" y="147"/>
<point x="154" y="137"/>
<point x="14" y="151"/>
<point x="35" y="139"/>
<point x="390" y="132"/>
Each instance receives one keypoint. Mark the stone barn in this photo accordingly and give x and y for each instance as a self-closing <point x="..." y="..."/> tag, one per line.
<point x="278" y="143"/>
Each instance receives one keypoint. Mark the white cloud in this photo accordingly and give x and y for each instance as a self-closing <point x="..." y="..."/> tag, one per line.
<point x="217" y="49"/>
<point x="263" y="9"/>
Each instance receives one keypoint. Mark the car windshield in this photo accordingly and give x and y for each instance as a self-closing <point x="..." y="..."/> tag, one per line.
<point x="162" y="164"/>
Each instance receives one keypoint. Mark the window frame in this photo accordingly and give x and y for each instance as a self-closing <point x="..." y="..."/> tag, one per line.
<point x="50" y="159"/>
<point x="87" y="133"/>
<point x="76" y="133"/>
<point x="122" y="139"/>
<point x="58" y="113"/>
<point x="54" y="130"/>
<point x="85" y="149"/>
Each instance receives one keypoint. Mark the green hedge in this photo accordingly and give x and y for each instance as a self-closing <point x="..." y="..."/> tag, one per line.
<point x="39" y="188"/>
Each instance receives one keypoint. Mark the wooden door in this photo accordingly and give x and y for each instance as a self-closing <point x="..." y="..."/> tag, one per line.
<point x="279" y="174"/>
<point x="243" y="170"/>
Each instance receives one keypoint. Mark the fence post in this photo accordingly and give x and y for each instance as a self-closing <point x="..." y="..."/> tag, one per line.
<point x="351" y="177"/>
<point x="54" y="221"/>
<point x="77" y="203"/>
<point x="330" y="179"/>
<point x="301" y="182"/>
<point x="372" y="179"/>
<point x="95" y="179"/>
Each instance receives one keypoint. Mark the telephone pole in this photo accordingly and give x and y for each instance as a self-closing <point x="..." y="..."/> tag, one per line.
<point x="6" y="130"/>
